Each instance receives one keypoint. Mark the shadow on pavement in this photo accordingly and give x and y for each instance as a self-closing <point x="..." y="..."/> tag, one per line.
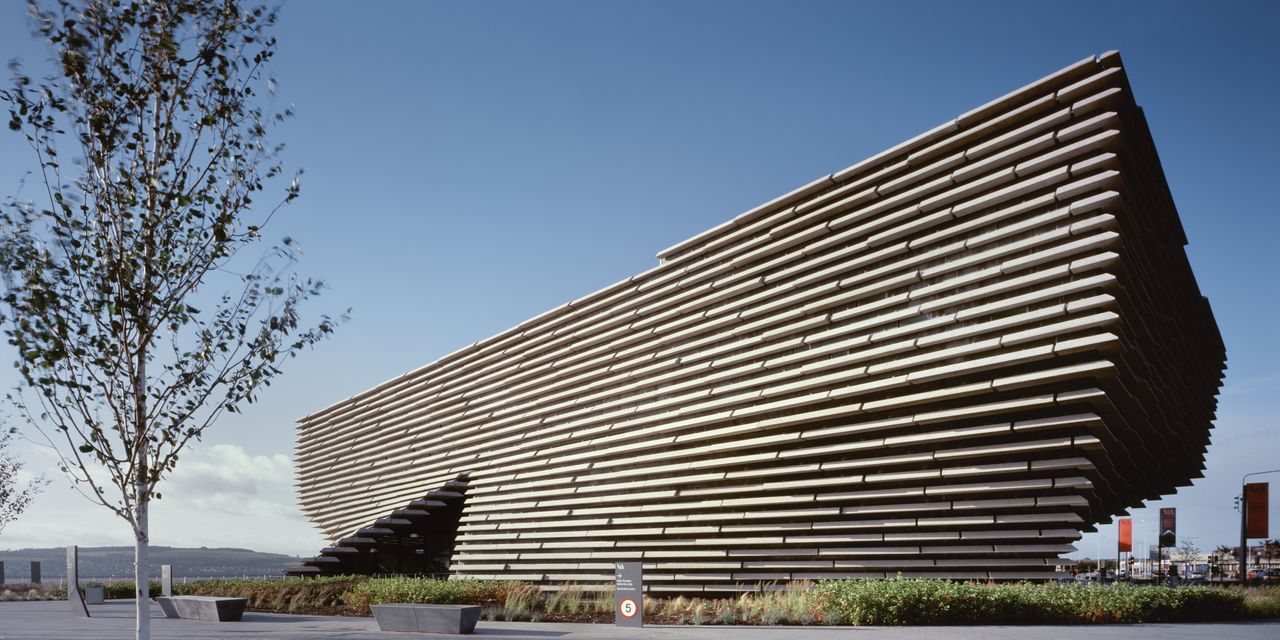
<point x="288" y="618"/>
<point x="515" y="633"/>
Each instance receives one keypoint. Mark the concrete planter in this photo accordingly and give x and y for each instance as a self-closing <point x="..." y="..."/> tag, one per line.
<point x="207" y="608"/>
<point x="427" y="618"/>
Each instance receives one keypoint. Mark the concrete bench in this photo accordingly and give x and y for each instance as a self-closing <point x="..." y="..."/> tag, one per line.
<point x="427" y="618"/>
<point x="207" y="608"/>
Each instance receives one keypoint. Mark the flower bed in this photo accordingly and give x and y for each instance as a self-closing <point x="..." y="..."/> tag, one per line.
<point x="846" y="602"/>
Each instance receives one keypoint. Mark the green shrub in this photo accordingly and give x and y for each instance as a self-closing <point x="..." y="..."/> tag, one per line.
<point x="511" y="598"/>
<point x="15" y="592"/>
<point x="933" y="602"/>
<point x="288" y="595"/>
<point x="120" y="589"/>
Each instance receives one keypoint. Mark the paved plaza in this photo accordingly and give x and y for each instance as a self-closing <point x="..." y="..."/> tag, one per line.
<point x="114" y="620"/>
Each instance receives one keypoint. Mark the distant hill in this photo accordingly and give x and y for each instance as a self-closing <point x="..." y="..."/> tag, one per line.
<point x="117" y="562"/>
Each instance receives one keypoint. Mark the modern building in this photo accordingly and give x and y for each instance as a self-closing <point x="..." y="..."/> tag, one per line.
<point x="947" y="360"/>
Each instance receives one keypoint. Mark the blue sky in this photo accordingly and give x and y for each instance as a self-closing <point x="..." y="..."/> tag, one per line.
<point x="469" y="165"/>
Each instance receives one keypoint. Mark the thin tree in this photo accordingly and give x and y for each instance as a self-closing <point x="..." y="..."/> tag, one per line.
<point x="136" y="314"/>
<point x="1221" y="554"/>
<point x="14" y="495"/>
<point x="1188" y="552"/>
<point x="1271" y="550"/>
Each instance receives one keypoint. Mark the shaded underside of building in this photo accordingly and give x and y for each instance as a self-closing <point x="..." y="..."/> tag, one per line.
<point x="948" y="360"/>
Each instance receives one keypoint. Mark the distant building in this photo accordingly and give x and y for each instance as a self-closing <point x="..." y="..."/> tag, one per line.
<point x="947" y="360"/>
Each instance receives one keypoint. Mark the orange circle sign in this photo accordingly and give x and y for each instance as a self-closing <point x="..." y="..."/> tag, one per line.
<point x="628" y="608"/>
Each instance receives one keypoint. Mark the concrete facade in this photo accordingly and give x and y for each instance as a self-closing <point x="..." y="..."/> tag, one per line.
<point x="947" y="360"/>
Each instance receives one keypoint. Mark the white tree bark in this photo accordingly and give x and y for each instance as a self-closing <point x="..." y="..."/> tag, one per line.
<point x="142" y="504"/>
<point x="141" y="579"/>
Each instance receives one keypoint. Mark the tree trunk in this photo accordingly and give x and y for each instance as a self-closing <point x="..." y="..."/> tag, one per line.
<point x="141" y="550"/>
<point x="142" y="503"/>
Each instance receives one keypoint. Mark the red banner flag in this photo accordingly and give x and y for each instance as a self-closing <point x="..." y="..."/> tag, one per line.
<point x="1126" y="535"/>
<point x="1255" y="501"/>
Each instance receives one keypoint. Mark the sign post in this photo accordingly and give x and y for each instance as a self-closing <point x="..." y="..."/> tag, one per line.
<point x="1253" y="520"/>
<point x="628" y="582"/>
<point x="1168" y="532"/>
<point x="78" y="606"/>
<point x="166" y="580"/>
<point x="1124" y="543"/>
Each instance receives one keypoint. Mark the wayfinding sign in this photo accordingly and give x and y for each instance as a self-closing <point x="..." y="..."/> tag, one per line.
<point x="1168" y="527"/>
<point x="628" y="582"/>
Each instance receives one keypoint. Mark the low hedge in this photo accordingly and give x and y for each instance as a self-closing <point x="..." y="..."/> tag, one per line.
<point x="431" y="591"/>
<point x="23" y="591"/>
<point x="289" y="595"/>
<point x="938" y="602"/>
<point x="120" y="589"/>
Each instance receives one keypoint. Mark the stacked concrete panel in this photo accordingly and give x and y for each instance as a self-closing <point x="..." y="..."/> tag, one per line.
<point x="947" y="360"/>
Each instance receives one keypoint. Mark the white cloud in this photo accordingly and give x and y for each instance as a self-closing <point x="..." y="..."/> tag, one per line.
<point x="227" y="478"/>
<point x="219" y="495"/>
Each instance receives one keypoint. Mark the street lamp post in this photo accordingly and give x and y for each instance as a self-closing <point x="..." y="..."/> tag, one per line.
<point x="1146" y="552"/>
<point x="1244" y="519"/>
<point x="1186" y="561"/>
<point x="1100" y="574"/>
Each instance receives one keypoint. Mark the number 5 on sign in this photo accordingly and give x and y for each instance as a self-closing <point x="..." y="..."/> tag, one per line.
<point x="628" y="608"/>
